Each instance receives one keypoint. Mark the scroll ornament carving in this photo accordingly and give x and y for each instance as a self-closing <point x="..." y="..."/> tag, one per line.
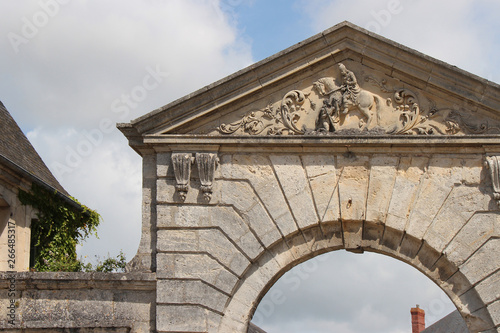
<point x="182" y="170"/>
<point x="493" y="164"/>
<point x="347" y="108"/>
<point x="207" y="163"/>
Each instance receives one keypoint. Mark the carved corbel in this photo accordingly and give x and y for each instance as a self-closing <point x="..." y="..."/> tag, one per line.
<point x="207" y="163"/>
<point x="493" y="164"/>
<point x="182" y="171"/>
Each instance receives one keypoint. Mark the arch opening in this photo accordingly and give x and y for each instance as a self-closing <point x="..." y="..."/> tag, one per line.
<point x="312" y="242"/>
<point x="341" y="291"/>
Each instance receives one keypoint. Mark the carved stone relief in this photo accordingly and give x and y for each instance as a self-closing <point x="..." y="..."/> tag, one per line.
<point x="342" y="106"/>
<point x="182" y="171"/>
<point x="207" y="164"/>
<point x="493" y="164"/>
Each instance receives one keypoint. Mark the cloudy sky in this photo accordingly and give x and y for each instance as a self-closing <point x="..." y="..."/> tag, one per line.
<point x="69" y="68"/>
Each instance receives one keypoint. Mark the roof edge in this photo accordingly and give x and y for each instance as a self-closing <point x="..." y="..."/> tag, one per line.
<point x="31" y="177"/>
<point x="141" y="121"/>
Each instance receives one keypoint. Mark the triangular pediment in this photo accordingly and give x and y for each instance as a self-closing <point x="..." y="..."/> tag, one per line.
<point x="345" y="81"/>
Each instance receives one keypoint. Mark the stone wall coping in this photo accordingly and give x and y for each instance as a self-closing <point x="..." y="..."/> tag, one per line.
<point x="78" y="280"/>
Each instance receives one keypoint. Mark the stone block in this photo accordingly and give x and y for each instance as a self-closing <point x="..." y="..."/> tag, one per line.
<point x="323" y="180"/>
<point x="435" y="188"/>
<point x="331" y="237"/>
<point x="210" y="241"/>
<point x="480" y="228"/>
<point x="190" y="292"/>
<point x="458" y="208"/>
<point x="136" y="306"/>
<point x="489" y="288"/>
<point x="262" y="225"/>
<point x="224" y="218"/>
<point x="409" y="247"/>
<point x="181" y="318"/>
<point x="372" y="235"/>
<point x="196" y="266"/>
<point x="406" y="186"/>
<point x="353" y="234"/>
<point x="299" y="246"/>
<point x="494" y="311"/>
<point x="164" y="166"/>
<point x="380" y="187"/>
<point x="257" y="169"/>
<point x="293" y="180"/>
<point x="482" y="263"/>
<point x="353" y="186"/>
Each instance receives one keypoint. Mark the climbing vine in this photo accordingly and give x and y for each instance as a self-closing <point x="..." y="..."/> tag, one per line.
<point x="59" y="228"/>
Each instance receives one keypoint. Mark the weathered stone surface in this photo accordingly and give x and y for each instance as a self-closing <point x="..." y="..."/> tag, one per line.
<point x="482" y="263"/>
<point x="480" y="228"/>
<point x="257" y="169"/>
<point x="190" y="292"/>
<point x="196" y="266"/>
<point x="223" y="217"/>
<point x="323" y="180"/>
<point x="435" y="188"/>
<point x="243" y="198"/>
<point x="203" y="241"/>
<point x="293" y="180"/>
<point x="353" y="186"/>
<point x="488" y="288"/>
<point x="380" y="187"/>
<point x="406" y="186"/>
<point x="181" y="318"/>
<point x="111" y="302"/>
<point x="494" y="310"/>
<point x="340" y="175"/>
<point x="458" y="208"/>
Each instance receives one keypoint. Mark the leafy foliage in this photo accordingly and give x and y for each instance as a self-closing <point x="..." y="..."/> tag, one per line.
<point x="59" y="228"/>
<point x="109" y="265"/>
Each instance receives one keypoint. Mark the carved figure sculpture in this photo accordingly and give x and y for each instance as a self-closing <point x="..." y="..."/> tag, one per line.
<point x="342" y="99"/>
<point x="350" y="88"/>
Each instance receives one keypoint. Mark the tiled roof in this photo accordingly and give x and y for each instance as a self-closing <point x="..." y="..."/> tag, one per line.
<point x="451" y="323"/>
<point x="17" y="152"/>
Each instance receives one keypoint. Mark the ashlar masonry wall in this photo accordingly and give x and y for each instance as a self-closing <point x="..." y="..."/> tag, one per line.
<point x="268" y="211"/>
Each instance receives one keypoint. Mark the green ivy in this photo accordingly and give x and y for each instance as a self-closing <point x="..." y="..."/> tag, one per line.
<point x="59" y="228"/>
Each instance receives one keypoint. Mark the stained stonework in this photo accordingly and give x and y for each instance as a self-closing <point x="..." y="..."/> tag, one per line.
<point x="295" y="156"/>
<point x="346" y="141"/>
<point x="342" y="106"/>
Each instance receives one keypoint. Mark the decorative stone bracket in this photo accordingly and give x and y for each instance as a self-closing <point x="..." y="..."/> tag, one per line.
<point x="207" y="164"/>
<point x="182" y="171"/>
<point x="493" y="164"/>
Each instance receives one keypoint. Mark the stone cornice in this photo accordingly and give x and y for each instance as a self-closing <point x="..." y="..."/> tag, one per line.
<point x="366" y="143"/>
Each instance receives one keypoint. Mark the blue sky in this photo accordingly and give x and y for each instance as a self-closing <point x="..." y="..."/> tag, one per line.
<point x="64" y="77"/>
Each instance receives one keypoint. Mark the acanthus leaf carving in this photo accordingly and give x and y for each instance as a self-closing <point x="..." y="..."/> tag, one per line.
<point x="182" y="170"/>
<point x="291" y="106"/>
<point x="207" y="164"/>
<point x="347" y="108"/>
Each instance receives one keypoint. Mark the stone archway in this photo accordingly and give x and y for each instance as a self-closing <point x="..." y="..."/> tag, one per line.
<point x="270" y="211"/>
<point x="331" y="241"/>
<point x="456" y="267"/>
<point x="346" y="140"/>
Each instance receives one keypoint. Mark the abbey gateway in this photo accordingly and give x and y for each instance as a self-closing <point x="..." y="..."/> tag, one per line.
<point x="344" y="141"/>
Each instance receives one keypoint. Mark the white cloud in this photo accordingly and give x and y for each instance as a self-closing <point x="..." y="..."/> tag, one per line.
<point x="462" y="33"/>
<point x="71" y="75"/>
<point x="358" y="293"/>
